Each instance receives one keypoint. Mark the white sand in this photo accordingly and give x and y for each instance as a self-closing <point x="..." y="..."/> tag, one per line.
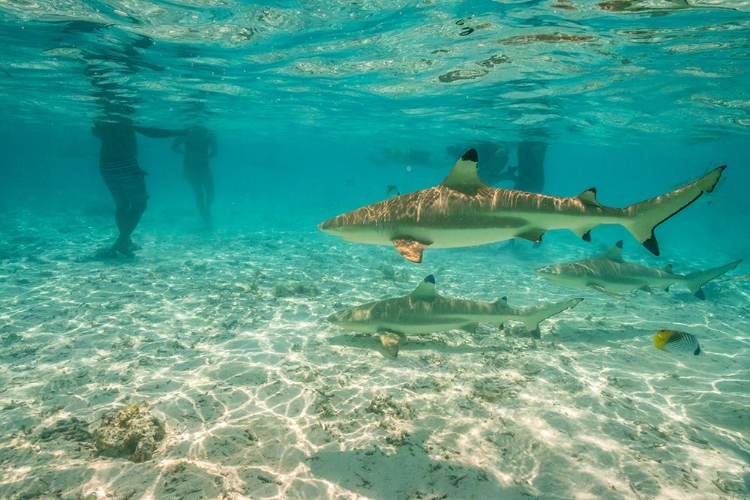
<point x="263" y="399"/>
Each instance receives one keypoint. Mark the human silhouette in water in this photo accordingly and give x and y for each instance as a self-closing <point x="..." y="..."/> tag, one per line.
<point x="118" y="164"/>
<point x="197" y="147"/>
<point x="530" y="174"/>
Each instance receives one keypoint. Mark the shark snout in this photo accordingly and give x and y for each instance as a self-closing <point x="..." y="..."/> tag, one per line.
<point x="336" y="226"/>
<point x="547" y="270"/>
<point x="326" y="226"/>
<point x="336" y="318"/>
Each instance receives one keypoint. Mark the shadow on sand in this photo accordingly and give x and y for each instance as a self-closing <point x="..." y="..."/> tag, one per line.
<point x="411" y="471"/>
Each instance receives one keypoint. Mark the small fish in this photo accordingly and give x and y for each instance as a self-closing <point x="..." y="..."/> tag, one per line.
<point x="677" y="342"/>
<point x="392" y="189"/>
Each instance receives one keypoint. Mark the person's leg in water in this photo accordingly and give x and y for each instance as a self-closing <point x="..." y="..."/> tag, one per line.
<point x="530" y="175"/>
<point x="198" y="182"/>
<point x="125" y="181"/>
<point x="127" y="219"/>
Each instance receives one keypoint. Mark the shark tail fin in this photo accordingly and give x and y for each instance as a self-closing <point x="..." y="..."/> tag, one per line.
<point x="642" y="218"/>
<point x="695" y="281"/>
<point x="535" y="315"/>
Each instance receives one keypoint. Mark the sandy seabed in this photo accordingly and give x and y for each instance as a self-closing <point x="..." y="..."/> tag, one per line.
<point x="223" y="336"/>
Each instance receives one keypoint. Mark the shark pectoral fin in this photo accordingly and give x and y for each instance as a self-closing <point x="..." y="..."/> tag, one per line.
<point x="534" y="235"/>
<point x="646" y="288"/>
<point x="391" y="342"/>
<point x="470" y="328"/>
<point x="601" y="289"/>
<point x="410" y="249"/>
<point x="584" y="234"/>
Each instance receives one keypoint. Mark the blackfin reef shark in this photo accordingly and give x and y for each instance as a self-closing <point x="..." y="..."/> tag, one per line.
<point x="612" y="275"/>
<point x="425" y="311"/>
<point x="464" y="211"/>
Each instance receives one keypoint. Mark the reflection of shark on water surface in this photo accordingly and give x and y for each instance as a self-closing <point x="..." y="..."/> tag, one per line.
<point x="610" y="274"/>
<point x="463" y="211"/>
<point x="425" y="311"/>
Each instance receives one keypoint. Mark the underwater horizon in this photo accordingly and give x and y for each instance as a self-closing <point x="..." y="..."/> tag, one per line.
<point x="231" y="349"/>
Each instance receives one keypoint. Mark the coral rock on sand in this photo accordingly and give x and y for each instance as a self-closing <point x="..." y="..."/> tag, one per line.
<point x="132" y="432"/>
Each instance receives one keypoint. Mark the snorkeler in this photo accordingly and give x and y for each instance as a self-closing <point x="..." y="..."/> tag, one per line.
<point x="118" y="164"/>
<point x="197" y="147"/>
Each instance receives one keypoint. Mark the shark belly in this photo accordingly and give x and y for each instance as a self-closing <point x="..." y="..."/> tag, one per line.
<point x="492" y="228"/>
<point x="423" y="325"/>
<point x="455" y="238"/>
<point x="435" y="236"/>
<point x="619" y="286"/>
<point x="453" y="232"/>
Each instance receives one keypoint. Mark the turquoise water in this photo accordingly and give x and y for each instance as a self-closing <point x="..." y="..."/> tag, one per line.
<point x="222" y="334"/>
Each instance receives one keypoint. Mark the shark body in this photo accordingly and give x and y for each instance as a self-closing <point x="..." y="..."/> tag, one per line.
<point x="463" y="211"/>
<point x="425" y="311"/>
<point x="614" y="276"/>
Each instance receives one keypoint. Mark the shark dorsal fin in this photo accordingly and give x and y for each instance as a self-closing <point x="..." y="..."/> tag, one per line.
<point x="667" y="268"/>
<point x="588" y="198"/>
<point x="463" y="177"/>
<point x="615" y="253"/>
<point x="425" y="290"/>
<point x="503" y="302"/>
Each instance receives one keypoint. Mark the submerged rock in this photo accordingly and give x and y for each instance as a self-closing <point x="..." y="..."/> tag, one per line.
<point x="132" y="433"/>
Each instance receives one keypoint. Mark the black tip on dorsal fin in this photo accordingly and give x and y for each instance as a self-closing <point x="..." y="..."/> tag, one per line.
<point x="471" y="155"/>
<point x="425" y="290"/>
<point x="463" y="176"/>
<point x="586" y="237"/>
<point x="504" y="299"/>
<point x="588" y="197"/>
<point x="615" y="253"/>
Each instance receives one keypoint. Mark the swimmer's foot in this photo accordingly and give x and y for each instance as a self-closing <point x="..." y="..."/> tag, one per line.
<point x="124" y="247"/>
